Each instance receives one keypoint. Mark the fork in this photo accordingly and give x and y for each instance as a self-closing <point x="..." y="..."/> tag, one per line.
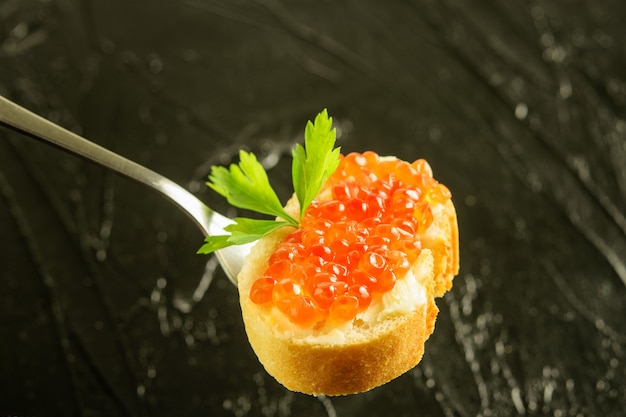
<point x="208" y="221"/>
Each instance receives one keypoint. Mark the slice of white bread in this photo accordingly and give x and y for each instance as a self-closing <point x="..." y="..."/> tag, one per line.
<point x="378" y="346"/>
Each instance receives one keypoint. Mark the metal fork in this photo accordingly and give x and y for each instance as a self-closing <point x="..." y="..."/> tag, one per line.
<point x="28" y="123"/>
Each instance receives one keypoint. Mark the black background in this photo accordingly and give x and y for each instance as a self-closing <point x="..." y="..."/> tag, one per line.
<point x="519" y="106"/>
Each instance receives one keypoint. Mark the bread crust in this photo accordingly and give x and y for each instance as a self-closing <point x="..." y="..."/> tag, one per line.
<point x="368" y="357"/>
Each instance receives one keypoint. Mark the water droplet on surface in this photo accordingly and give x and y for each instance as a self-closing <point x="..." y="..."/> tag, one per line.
<point x="521" y="111"/>
<point x="162" y="237"/>
<point x="565" y="89"/>
<point x="161" y="283"/>
<point x="101" y="255"/>
<point x="155" y="64"/>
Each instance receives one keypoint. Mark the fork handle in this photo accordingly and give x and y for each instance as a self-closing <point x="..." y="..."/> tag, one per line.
<point x="24" y="121"/>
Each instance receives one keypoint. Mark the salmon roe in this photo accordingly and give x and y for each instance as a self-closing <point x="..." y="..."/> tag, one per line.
<point x="354" y="242"/>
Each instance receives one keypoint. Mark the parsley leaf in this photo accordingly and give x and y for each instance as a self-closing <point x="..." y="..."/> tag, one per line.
<point x="314" y="163"/>
<point x="213" y="243"/>
<point x="243" y="231"/>
<point x="248" y="230"/>
<point x="246" y="185"/>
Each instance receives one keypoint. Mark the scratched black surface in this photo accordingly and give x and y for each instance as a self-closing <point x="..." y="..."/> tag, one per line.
<point x="520" y="107"/>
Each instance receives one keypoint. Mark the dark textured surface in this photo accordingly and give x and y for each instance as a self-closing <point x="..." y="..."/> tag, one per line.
<point x="520" y="106"/>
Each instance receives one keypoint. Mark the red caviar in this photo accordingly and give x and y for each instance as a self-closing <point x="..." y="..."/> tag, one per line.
<point x="353" y="246"/>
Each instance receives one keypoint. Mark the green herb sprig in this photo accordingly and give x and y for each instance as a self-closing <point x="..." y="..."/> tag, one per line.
<point x="246" y="185"/>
